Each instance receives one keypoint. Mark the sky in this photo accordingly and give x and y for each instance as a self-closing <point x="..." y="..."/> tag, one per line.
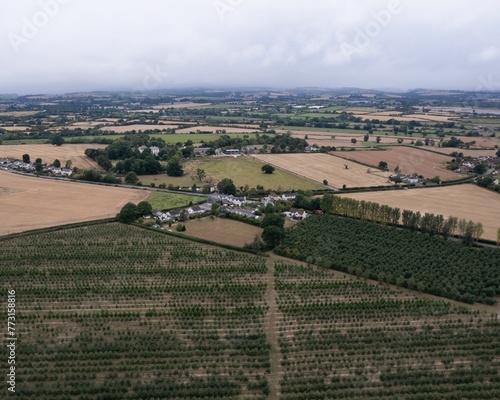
<point x="58" y="46"/>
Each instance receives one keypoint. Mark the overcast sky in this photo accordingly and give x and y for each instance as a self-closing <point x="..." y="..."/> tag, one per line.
<point x="52" y="46"/>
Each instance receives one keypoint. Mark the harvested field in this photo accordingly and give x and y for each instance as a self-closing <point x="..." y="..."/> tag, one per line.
<point x="213" y="129"/>
<point x="48" y="153"/>
<point x="222" y="230"/>
<point x="31" y="203"/>
<point x="136" y="127"/>
<point x="323" y="166"/>
<point x="410" y="160"/>
<point x="16" y="128"/>
<point x="18" y="113"/>
<point x="463" y="201"/>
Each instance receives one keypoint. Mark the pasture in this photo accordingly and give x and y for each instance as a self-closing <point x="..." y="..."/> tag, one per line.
<point x="463" y="201"/>
<point x="214" y="129"/>
<point x="167" y="201"/>
<point x="222" y="230"/>
<point x="32" y="203"/>
<point x="324" y="166"/>
<point x="48" y="153"/>
<point x="247" y="171"/>
<point x="136" y="127"/>
<point x="409" y="159"/>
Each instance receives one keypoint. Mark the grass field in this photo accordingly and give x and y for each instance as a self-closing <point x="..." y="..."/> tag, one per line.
<point x="222" y="230"/>
<point x="323" y="166"/>
<point x="463" y="201"/>
<point x="31" y="203"/>
<point x="48" y="153"/>
<point x="164" y="201"/>
<point x="136" y="127"/>
<point x="172" y="137"/>
<point x="213" y="129"/>
<point x="247" y="171"/>
<point x="409" y="159"/>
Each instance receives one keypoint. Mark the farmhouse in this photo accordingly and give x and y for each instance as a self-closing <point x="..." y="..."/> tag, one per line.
<point x="232" y="152"/>
<point x="201" y="151"/>
<point x="195" y="210"/>
<point x="154" y="150"/>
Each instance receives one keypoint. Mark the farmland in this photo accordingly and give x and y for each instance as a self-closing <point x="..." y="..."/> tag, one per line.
<point x="462" y="201"/>
<point x="167" y="201"/>
<point x="214" y="129"/>
<point x="322" y="166"/>
<point x="48" y="153"/>
<point x="247" y="171"/>
<point x="136" y="127"/>
<point x="410" y="259"/>
<point x="118" y="312"/>
<point x="348" y="339"/>
<point x="32" y="203"/>
<point x="410" y="160"/>
<point x="222" y="230"/>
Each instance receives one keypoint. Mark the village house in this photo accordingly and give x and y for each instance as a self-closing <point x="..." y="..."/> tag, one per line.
<point x="193" y="210"/>
<point x="201" y="151"/>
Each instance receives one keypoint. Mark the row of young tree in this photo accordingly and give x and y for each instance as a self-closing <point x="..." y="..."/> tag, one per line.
<point x="429" y="223"/>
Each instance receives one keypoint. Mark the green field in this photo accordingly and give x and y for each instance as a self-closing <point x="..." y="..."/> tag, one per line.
<point x="247" y="171"/>
<point x="167" y="201"/>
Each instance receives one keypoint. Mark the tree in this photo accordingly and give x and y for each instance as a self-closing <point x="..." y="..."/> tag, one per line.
<point x="327" y="203"/>
<point x="57" y="140"/>
<point x="325" y="182"/>
<point x="366" y="137"/>
<point x="354" y="141"/>
<point x="38" y="167"/>
<point x="128" y="213"/>
<point x="174" y="168"/>
<point x="68" y="164"/>
<point x="383" y="166"/>
<point x="267" y="169"/>
<point x="480" y="169"/>
<point x="498" y="153"/>
<point x="273" y="220"/>
<point x="144" y="208"/>
<point x="397" y="170"/>
<point x="38" y="160"/>
<point x="57" y="163"/>
<point x="200" y="174"/>
<point x="226" y="186"/>
<point x="478" y="231"/>
<point x="26" y="158"/>
<point x="498" y="237"/>
<point x="378" y="139"/>
<point x="131" y="178"/>
<point x="273" y="235"/>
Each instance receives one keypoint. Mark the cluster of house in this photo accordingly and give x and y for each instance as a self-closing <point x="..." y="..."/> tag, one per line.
<point x="19" y="165"/>
<point x="154" y="150"/>
<point x="468" y="166"/>
<point x="202" y="151"/>
<point x="230" y="204"/>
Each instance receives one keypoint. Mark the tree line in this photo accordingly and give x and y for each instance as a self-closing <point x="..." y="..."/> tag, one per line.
<point x="428" y="223"/>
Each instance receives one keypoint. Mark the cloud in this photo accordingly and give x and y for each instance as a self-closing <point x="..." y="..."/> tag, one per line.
<point x="88" y="45"/>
